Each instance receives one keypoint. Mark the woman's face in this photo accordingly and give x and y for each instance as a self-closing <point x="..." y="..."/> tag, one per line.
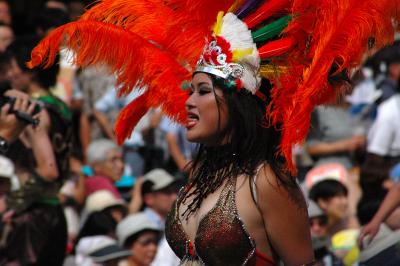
<point x="144" y="249"/>
<point x="207" y="120"/>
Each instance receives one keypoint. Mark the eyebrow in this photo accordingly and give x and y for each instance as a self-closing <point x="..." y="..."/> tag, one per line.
<point x="201" y="83"/>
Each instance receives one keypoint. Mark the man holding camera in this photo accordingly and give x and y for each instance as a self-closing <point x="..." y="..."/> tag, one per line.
<point x="40" y="152"/>
<point x="10" y="126"/>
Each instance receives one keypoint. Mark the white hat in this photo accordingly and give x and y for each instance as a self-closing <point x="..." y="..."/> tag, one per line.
<point x="98" y="249"/>
<point x="100" y="200"/>
<point x="160" y="179"/>
<point x="326" y="171"/>
<point x="134" y="224"/>
<point x="7" y="171"/>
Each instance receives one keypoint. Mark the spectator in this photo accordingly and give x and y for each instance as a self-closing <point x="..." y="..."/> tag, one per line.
<point x="331" y="197"/>
<point x="140" y="235"/>
<point x="100" y="251"/>
<point x="381" y="248"/>
<point x="101" y="215"/>
<point x="105" y="158"/>
<point x="320" y="237"/>
<point x="384" y="135"/>
<point x="389" y="204"/>
<point x="389" y="84"/>
<point x="41" y="159"/>
<point x="159" y="194"/>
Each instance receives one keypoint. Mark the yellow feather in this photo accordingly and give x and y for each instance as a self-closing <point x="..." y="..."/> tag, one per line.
<point x="240" y="53"/>
<point x="235" y="6"/>
<point x="271" y="71"/>
<point x="218" y="24"/>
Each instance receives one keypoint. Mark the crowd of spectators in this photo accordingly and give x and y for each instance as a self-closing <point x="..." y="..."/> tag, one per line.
<point x="69" y="195"/>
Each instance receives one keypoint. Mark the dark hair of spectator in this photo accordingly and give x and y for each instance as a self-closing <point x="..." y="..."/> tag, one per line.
<point x="327" y="189"/>
<point x="21" y="49"/>
<point x="98" y="223"/>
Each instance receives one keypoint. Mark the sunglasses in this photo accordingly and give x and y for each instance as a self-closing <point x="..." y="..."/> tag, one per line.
<point x="320" y="221"/>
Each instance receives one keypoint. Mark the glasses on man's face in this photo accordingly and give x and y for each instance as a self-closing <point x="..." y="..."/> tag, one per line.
<point x="115" y="159"/>
<point x="320" y="221"/>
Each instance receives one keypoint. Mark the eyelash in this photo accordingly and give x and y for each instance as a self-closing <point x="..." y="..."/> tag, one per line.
<point x="200" y="91"/>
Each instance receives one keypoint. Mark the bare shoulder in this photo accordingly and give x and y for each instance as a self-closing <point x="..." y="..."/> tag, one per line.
<point x="284" y="212"/>
<point x="274" y="189"/>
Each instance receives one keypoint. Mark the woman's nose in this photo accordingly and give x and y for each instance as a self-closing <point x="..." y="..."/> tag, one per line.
<point x="190" y="102"/>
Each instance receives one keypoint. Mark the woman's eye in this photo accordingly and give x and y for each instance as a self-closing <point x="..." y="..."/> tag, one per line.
<point x="204" y="91"/>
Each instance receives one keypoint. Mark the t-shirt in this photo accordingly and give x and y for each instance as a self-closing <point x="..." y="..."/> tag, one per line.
<point x="384" y="135"/>
<point x="96" y="183"/>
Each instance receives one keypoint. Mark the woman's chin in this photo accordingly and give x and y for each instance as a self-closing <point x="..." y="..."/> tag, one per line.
<point x="192" y="137"/>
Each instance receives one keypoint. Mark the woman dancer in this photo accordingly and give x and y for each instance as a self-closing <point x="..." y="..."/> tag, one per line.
<point x="265" y="66"/>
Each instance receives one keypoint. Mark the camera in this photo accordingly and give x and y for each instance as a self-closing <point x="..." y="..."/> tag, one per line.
<point x="5" y="86"/>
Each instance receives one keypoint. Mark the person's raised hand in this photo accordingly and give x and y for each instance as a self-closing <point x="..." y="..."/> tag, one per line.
<point x="368" y="233"/>
<point x="10" y="125"/>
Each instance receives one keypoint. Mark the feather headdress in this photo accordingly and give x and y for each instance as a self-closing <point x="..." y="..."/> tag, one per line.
<point x="305" y="48"/>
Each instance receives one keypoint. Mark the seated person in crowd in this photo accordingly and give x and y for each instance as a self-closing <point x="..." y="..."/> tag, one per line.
<point x="140" y="235"/>
<point x="389" y="204"/>
<point x="331" y="197"/>
<point x="100" y="251"/>
<point x="320" y="238"/>
<point x="380" y="247"/>
<point x="159" y="192"/>
<point x="106" y="161"/>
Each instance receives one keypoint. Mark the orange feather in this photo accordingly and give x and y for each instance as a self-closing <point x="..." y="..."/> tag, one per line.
<point x="334" y="33"/>
<point x="150" y="68"/>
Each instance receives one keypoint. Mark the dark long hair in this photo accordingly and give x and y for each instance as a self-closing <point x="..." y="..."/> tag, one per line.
<point x="252" y="141"/>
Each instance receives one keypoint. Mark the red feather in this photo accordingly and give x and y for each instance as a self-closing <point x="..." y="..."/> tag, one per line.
<point x="266" y="10"/>
<point x="276" y="48"/>
<point x="150" y="68"/>
<point x="327" y="33"/>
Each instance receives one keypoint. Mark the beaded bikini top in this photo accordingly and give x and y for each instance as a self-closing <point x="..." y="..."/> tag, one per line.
<point x="221" y="237"/>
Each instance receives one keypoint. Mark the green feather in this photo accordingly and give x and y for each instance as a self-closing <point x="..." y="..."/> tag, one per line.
<point x="271" y="30"/>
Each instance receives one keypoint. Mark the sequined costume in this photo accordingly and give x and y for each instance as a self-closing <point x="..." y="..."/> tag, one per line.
<point x="221" y="237"/>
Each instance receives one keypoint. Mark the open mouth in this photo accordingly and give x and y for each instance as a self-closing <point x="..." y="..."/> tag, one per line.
<point x="192" y="120"/>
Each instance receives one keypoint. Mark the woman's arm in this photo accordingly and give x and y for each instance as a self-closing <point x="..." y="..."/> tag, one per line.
<point x="391" y="201"/>
<point x="286" y="220"/>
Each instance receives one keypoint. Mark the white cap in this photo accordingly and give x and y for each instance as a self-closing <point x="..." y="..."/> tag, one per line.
<point x="98" y="249"/>
<point x="133" y="224"/>
<point x="326" y="171"/>
<point x="7" y="171"/>
<point x="100" y="200"/>
<point x="160" y="179"/>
